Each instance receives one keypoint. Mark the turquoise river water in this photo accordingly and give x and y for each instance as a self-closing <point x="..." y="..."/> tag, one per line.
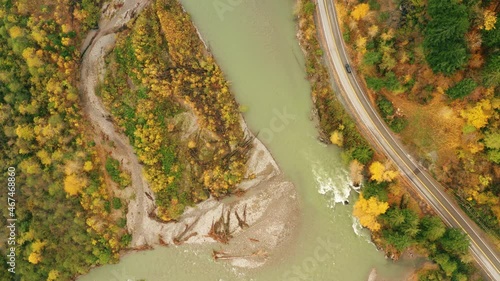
<point x="255" y="43"/>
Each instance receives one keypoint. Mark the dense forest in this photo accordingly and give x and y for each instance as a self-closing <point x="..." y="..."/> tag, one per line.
<point x="70" y="216"/>
<point x="433" y="69"/>
<point x="398" y="219"/>
<point x="66" y="219"/>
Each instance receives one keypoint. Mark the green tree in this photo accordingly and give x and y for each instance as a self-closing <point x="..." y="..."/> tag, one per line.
<point x="491" y="72"/>
<point x="372" y="58"/>
<point x="459" y="277"/>
<point x="492" y="140"/>
<point x="363" y="154"/>
<point x="432" y="228"/>
<point x="117" y="203"/>
<point x="410" y="226"/>
<point x="447" y="264"/>
<point x="446" y="48"/>
<point x="494" y="155"/>
<point x="309" y="8"/>
<point x="91" y="7"/>
<point x="461" y="89"/>
<point x="113" y="168"/>
<point x="394" y="217"/>
<point x="491" y="38"/>
<point x="398" y="240"/>
<point x="398" y="124"/>
<point x="454" y="241"/>
<point x="385" y="106"/>
<point x="375" y="189"/>
<point x="375" y="83"/>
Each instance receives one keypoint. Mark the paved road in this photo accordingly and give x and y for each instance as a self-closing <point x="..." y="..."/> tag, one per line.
<point x="481" y="248"/>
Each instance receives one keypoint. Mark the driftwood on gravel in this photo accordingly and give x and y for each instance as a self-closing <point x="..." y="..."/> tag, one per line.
<point x="242" y="148"/>
<point x="220" y="229"/>
<point x="143" y="248"/>
<point x="162" y="242"/>
<point x="181" y="237"/>
<point x="242" y="222"/>
<point x="220" y="255"/>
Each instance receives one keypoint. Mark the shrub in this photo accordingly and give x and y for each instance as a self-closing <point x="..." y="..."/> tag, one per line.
<point x="398" y="124"/>
<point x="375" y="83"/>
<point x="112" y="167"/>
<point x="117" y="203"/>
<point x="309" y="8"/>
<point x="461" y="89"/>
<point x="385" y="106"/>
<point x="374" y="5"/>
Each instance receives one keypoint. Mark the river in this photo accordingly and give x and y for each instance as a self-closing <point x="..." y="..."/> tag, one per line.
<point x="254" y="42"/>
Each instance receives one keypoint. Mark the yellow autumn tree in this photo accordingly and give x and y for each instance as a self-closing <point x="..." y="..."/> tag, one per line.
<point x="38" y="246"/>
<point x="35" y="258"/>
<point x="15" y="32"/>
<point x="87" y="166"/>
<point x="496" y="211"/>
<point x="191" y="144"/>
<point x="475" y="147"/>
<point x="30" y="166"/>
<point x="373" y="30"/>
<point x="53" y="275"/>
<point x="489" y="20"/>
<point x="25" y="132"/>
<point x="36" y="249"/>
<point x="44" y="157"/>
<point x="487" y="198"/>
<point x="337" y="138"/>
<point x="360" y="11"/>
<point x="73" y="184"/>
<point x="367" y="211"/>
<point x="388" y="35"/>
<point x="361" y="44"/>
<point x="478" y="115"/>
<point x="380" y="173"/>
<point x="32" y="57"/>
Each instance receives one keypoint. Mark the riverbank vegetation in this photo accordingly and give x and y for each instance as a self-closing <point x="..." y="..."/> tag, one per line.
<point x="68" y="218"/>
<point x="335" y="124"/>
<point x="433" y="69"/>
<point x="71" y="194"/>
<point x="397" y="221"/>
<point x="398" y="224"/>
<point x="171" y="99"/>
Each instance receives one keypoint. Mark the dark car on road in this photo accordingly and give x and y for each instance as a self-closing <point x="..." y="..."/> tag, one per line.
<point x="348" y="68"/>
